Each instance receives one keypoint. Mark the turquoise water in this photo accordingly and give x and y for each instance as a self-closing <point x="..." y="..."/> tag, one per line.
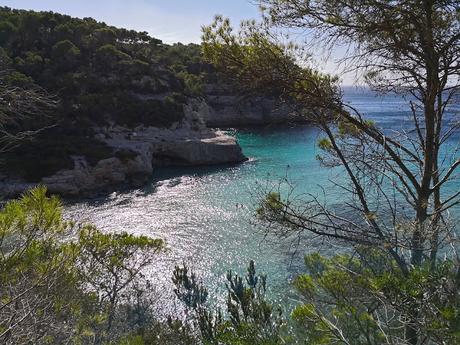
<point x="205" y="215"/>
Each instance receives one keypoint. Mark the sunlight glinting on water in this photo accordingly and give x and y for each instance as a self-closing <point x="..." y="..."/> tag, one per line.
<point x="204" y="214"/>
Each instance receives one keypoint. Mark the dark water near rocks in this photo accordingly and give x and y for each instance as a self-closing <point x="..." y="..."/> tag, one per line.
<point x="205" y="214"/>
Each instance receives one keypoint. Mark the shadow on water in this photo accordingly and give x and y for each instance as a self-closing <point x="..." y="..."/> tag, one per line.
<point x="198" y="212"/>
<point x="167" y="173"/>
<point x="171" y="174"/>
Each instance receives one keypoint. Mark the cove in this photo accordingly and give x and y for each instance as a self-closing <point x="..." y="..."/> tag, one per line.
<point x="205" y="213"/>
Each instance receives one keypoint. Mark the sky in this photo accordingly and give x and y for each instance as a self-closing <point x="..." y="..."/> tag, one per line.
<point x="169" y="20"/>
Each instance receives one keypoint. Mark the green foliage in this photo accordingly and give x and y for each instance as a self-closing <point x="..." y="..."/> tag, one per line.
<point x="88" y="287"/>
<point x="65" y="56"/>
<point x="188" y="289"/>
<point x="31" y="63"/>
<point x="366" y="299"/>
<point x="109" y="264"/>
<point x="162" y="333"/>
<point x="105" y="36"/>
<point x="246" y="59"/>
<point x="250" y="318"/>
<point x="60" y="282"/>
<point x="102" y="74"/>
<point x="105" y="60"/>
<point x="37" y="275"/>
<point x="273" y="206"/>
<point x="108" y="55"/>
<point x="325" y="144"/>
<point x="257" y="64"/>
<point x="18" y="79"/>
<point x="193" y="83"/>
<point x="7" y="30"/>
<point x="347" y="129"/>
<point x="64" y="49"/>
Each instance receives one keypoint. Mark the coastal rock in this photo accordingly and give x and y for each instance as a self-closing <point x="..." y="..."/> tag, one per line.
<point x="209" y="151"/>
<point x="106" y="173"/>
<point x="70" y="182"/>
<point x="182" y="146"/>
<point x="10" y="188"/>
<point x="226" y="109"/>
<point x="136" y="153"/>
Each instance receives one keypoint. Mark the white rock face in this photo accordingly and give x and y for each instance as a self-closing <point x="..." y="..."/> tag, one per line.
<point x="225" y="109"/>
<point x="107" y="173"/>
<point x="220" y="149"/>
<point x="178" y="147"/>
<point x="144" y="148"/>
<point x="137" y="152"/>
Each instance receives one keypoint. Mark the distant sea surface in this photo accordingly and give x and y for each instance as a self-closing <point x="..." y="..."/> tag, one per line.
<point x="205" y="215"/>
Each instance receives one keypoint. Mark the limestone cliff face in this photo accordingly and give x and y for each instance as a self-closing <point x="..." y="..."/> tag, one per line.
<point x="218" y="149"/>
<point x="136" y="154"/>
<point x="227" y="109"/>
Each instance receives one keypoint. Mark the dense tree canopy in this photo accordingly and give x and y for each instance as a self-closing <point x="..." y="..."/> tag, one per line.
<point x="84" y="61"/>
<point x="101" y="74"/>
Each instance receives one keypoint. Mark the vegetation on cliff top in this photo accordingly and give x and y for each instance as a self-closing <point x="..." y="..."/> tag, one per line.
<point x="100" y="74"/>
<point x="398" y="280"/>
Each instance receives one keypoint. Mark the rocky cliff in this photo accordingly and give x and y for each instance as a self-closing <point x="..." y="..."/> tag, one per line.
<point x="226" y="108"/>
<point x="136" y="154"/>
<point x="125" y="104"/>
<point x="138" y="151"/>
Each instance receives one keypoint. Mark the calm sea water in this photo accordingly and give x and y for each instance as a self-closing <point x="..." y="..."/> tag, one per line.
<point x="205" y="214"/>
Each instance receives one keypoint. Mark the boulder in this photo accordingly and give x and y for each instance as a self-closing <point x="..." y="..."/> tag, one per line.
<point x="222" y="149"/>
<point x="137" y="151"/>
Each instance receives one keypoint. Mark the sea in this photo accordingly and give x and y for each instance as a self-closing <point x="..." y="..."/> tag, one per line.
<point x="207" y="215"/>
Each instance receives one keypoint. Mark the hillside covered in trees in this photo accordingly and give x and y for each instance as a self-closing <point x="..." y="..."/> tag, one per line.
<point x="97" y="69"/>
<point x="99" y="74"/>
<point x="382" y="253"/>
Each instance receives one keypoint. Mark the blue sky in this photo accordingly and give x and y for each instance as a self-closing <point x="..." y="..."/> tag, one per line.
<point x="169" y="20"/>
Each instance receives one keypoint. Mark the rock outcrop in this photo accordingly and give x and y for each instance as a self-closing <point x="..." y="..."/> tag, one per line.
<point x="177" y="147"/>
<point x="107" y="173"/>
<point x="136" y="153"/>
<point x="226" y="109"/>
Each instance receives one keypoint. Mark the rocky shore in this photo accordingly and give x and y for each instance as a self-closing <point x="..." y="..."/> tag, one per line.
<point x="226" y="108"/>
<point x="137" y="152"/>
